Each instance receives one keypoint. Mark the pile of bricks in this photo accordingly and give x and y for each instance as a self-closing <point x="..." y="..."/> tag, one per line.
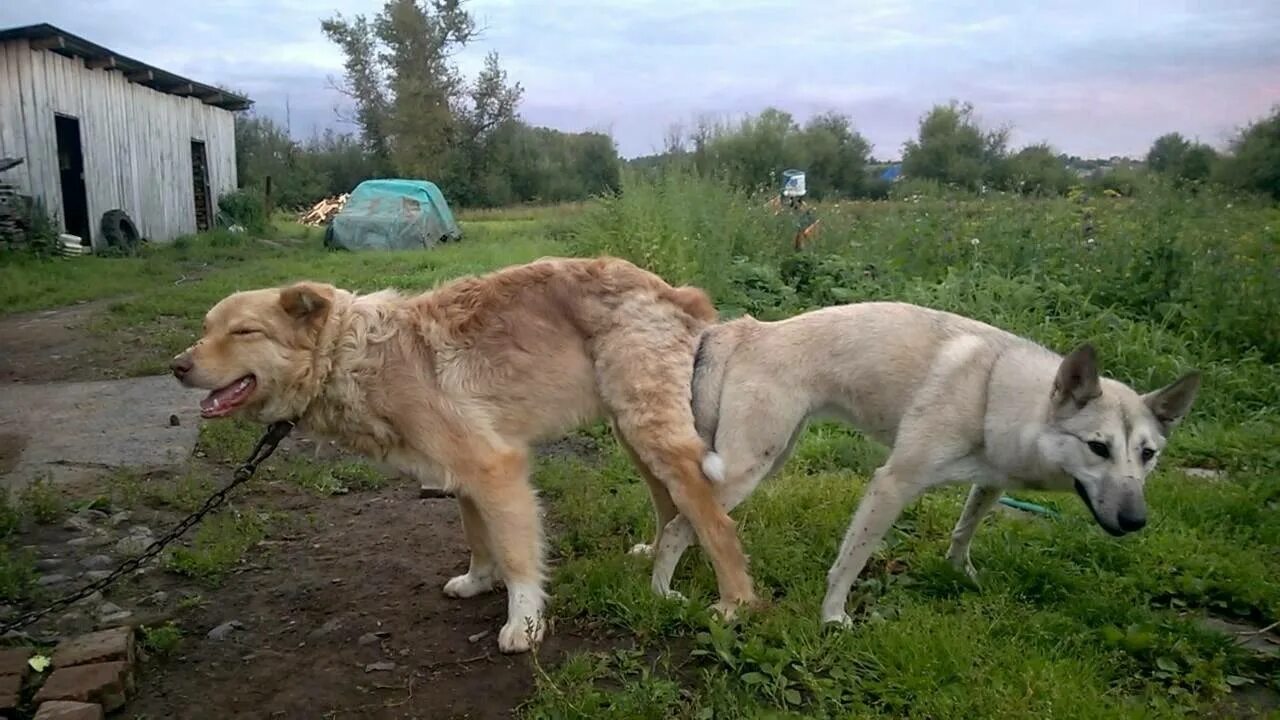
<point x="92" y="674"/>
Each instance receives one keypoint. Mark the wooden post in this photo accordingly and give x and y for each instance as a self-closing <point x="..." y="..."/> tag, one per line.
<point x="266" y="199"/>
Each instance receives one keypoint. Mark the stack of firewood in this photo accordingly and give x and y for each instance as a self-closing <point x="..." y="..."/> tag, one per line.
<point x="322" y="212"/>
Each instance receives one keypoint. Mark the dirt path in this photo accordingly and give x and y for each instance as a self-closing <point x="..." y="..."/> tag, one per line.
<point x="346" y="620"/>
<point x="52" y="345"/>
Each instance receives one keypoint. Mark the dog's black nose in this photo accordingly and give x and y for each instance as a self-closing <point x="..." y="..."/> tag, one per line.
<point x="180" y="366"/>
<point x="1132" y="522"/>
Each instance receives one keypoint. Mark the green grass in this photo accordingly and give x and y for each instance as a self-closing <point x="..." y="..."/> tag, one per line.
<point x="219" y="545"/>
<point x="1066" y="623"/>
<point x="162" y="640"/>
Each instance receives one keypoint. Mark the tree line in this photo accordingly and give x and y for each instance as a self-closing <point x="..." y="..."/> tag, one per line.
<point x="416" y="116"/>
<point x="953" y="149"/>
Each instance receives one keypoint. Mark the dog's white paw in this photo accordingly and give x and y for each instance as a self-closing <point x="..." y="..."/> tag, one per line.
<point x="470" y="585"/>
<point x="520" y="634"/>
<point x="841" y="619"/>
<point x="641" y="550"/>
<point x="963" y="565"/>
<point x="670" y="594"/>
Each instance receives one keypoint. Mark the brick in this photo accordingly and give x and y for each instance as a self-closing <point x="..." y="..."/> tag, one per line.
<point x="63" y="710"/>
<point x="106" y="683"/>
<point x="111" y="645"/>
<point x="10" y="693"/>
<point x="13" y="661"/>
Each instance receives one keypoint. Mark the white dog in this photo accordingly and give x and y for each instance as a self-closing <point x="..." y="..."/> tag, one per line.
<point x="958" y="401"/>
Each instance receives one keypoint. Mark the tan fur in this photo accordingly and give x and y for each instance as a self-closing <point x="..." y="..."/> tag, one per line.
<point x="959" y="401"/>
<point x="457" y="382"/>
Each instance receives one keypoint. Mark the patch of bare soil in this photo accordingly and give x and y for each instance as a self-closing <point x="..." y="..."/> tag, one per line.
<point x="64" y="345"/>
<point x="54" y="345"/>
<point x="346" y="619"/>
<point x="338" y="613"/>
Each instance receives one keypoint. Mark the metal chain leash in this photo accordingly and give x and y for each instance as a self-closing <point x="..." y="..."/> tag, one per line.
<point x="261" y="452"/>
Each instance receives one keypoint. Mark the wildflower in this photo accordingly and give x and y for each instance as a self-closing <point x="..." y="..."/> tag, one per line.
<point x="975" y="242"/>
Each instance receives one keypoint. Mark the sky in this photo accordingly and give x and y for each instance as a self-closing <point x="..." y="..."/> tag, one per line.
<point x="1090" y="78"/>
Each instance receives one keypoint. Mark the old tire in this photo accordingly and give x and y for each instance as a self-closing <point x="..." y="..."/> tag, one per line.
<point x="119" y="232"/>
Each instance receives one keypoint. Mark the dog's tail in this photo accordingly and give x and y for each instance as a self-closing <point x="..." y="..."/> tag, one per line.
<point x="713" y="466"/>
<point x="709" y="363"/>
<point x="694" y="301"/>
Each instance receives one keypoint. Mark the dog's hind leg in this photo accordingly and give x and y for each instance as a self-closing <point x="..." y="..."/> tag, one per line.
<point x="505" y="503"/>
<point x="981" y="499"/>
<point x="644" y="379"/>
<point x="482" y="576"/>
<point x="756" y="436"/>
<point x="664" y="509"/>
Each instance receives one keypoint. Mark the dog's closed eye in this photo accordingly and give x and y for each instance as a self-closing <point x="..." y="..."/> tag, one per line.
<point x="246" y="331"/>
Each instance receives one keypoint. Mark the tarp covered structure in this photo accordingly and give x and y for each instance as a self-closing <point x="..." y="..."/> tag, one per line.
<point x="392" y="214"/>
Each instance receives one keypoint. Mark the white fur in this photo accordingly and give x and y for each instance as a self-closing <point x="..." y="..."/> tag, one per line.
<point x="526" y="623"/>
<point x="713" y="467"/>
<point x="958" y="401"/>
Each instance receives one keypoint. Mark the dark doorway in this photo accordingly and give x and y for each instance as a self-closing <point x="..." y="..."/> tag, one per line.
<point x="75" y="203"/>
<point x="200" y="176"/>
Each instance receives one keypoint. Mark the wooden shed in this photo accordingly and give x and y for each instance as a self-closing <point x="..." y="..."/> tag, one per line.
<point x="99" y="132"/>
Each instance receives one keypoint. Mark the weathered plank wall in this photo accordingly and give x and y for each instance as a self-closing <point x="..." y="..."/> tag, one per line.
<point x="136" y="141"/>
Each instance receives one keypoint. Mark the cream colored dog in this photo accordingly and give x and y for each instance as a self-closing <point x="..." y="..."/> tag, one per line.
<point x="457" y="382"/>
<point x="958" y="401"/>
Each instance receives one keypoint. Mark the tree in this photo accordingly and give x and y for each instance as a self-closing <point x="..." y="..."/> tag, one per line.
<point x="1253" y="163"/>
<point x="1036" y="170"/>
<point x="833" y="155"/>
<point x="952" y="148"/>
<point x="365" y="83"/>
<point x="417" y="42"/>
<point x="1184" y="161"/>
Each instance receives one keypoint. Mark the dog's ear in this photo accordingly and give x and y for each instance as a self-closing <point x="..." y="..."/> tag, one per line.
<point x="306" y="300"/>
<point x="1171" y="403"/>
<point x="1077" y="381"/>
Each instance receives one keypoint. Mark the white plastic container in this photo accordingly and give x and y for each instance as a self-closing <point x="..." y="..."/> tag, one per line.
<point x="793" y="183"/>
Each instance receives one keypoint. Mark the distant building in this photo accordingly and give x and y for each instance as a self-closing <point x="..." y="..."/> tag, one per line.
<point x="99" y="131"/>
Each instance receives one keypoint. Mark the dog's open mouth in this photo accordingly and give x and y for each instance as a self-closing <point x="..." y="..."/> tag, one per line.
<point x="227" y="398"/>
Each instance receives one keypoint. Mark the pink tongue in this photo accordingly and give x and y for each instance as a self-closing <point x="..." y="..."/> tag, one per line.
<point x="223" y="397"/>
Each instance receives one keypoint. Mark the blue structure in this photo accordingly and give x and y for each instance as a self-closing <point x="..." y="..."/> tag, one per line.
<point x="393" y="214"/>
<point x="892" y="173"/>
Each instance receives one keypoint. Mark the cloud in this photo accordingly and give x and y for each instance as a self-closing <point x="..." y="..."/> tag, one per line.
<point x="1105" y="81"/>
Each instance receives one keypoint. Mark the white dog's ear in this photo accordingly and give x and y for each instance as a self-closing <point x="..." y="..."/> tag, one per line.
<point x="306" y="300"/>
<point x="1077" y="379"/>
<point x="1171" y="403"/>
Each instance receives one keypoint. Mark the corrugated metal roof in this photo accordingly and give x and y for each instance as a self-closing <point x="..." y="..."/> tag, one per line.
<point x="54" y="39"/>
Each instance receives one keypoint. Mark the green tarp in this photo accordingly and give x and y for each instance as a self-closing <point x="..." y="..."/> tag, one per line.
<point x="392" y="215"/>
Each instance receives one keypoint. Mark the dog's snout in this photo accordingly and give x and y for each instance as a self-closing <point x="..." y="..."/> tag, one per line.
<point x="181" y="365"/>
<point x="1131" y="521"/>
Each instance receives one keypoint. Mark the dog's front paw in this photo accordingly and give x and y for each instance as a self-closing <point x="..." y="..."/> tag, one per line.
<point x="840" y="619"/>
<point x="470" y="585"/>
<point x="520" y="634"/>
<point x="670" y="594"/>
<point x="641" y="550"/>
<point x="964" y="566"/>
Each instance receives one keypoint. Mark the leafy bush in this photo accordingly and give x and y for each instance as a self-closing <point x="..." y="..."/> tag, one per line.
<point x="953" y="149"/>
<point x="1036" y="170"/>
<point x="1254" y="162"/>
<point x="244" y="207"/>
<point x="1180" y="159"/>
